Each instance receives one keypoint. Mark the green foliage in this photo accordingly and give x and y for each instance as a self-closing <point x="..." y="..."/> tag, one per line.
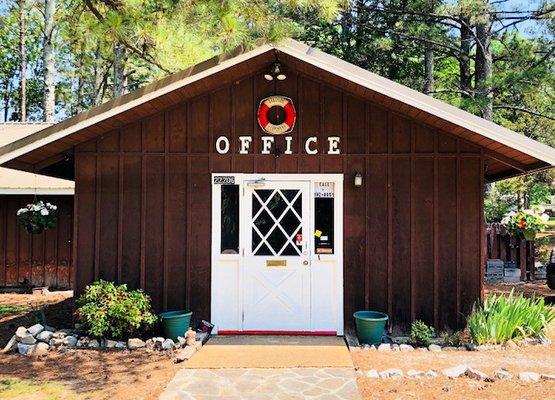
<point x="38" y="216"/>
<point x="501" y="318"/>
<point x="454" y="339"/>
<point x="421" y="334"/>
<point x="525" y="222"/>
<point x="107" y="310"/>
<point x="9" y="309"/>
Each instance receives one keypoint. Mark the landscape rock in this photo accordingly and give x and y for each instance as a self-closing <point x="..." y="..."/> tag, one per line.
<point x="25" y="349"/>
<point x="450" y="348"/>
<point x="412" y="373"/>
<point x="470" y="346"/>
<point x="548" y="377"/>
<point x="70" y="341"/>
<point x="434" y="347"/>
<point x="431" y="374"/>
<point x="59" y="334"/>
<point x="384" y="347"/>
<point x="530" y="377"/>
<point x="20" y="332"/>
<point x="35" y="329"/>
<point x="49" y="328"/>
<point x="168" y="344"/>
<point x="44" y="336"/>
<point x="502" y="374"/>
<point x="406" y="347"/>
<point x="83" y="341"/>
<point x="455" y="372"/>
<point x="372" y="374"/>
<point x="28" y="339"/>
<point x="12" y="344"/>
<point x="110" y="343"/>
<point x="135" y="343"/>
<point x="94" y="344"/>
<point x="488" y="347"/>
<point x="41" y="349"/>
<point x="391" y="373"/>
<point x="185" y="354"/>
<point x="181" y="340"/>
<point x="395" y="347"/>
<point x="511" y="344"/>
<point x="120" y="345"/>
<point x="56" y="341"/>
<point x="476" y="374"/>
<point x="544" y="341"/>
<point x="190" y="337"/>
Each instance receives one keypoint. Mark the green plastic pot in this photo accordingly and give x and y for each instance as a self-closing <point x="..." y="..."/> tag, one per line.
<point x="175" y="323"/>
<point x="370" y="326"/>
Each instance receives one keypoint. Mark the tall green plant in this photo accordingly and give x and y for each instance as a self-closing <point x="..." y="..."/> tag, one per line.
<point x="500" y="318"/>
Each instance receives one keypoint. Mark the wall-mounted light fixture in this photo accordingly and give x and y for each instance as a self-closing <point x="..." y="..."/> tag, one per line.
<point x="358" y="179"/>
<point x="275" y="72"/>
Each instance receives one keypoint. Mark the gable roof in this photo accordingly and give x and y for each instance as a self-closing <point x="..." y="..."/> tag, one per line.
<point x="20" y="182"/>
<point x="508" y="152"/>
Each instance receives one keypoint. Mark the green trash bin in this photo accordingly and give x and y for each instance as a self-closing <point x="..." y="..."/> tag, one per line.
<point x="370" y="326"/>
<point x="175" y="323"/>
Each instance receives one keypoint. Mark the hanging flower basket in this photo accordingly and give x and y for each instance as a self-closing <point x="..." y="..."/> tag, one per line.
<point x="37" y="217"/>
<point x="525" y="223"/>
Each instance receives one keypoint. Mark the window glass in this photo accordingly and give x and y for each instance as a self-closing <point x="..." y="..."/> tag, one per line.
<point x="229" y="238"/>
<point x="323" y="219"/>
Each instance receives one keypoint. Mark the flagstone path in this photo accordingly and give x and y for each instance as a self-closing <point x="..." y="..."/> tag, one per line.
<point x="263" y="384"/>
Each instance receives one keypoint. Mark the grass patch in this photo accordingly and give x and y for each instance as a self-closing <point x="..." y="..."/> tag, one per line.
<point x="9" y="309"/>
<point x="23" y="389"/>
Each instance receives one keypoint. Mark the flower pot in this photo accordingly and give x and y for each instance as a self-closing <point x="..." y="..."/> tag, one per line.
<point x="34" y="229"/>
<point x="175" y="323"/>
<point x="529" y="234"/>
<point x="370" y="326"/>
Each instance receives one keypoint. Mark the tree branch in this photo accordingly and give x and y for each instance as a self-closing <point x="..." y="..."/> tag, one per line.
<point x="524" y="110"/>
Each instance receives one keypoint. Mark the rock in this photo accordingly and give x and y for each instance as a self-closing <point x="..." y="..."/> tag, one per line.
<point x="530" y="377"/>
<point x="181" y="340"/>
<point x="488" y="347"/>
<point x="502" y="374"/>
<point x="70" y="341"/>
<point x="476" y="374"/>
<point x="401" y="339"/>
<point x="120" y="345"/>
<point x="372" y="374"/>
<point x="41" y="349"/>
<point x="455" y="372"/>
<point x="190" y="337"/>
<point x="434" y="347"/>
<point x="59" y="334"/>
<point x="395" y="347"/>
<point x="511" y="344"/>
<point x="544" y="341"/>
<point x="35" y="329"/>
<point x="44" y="336"/>
<point x="20" y="332"/>
<point x="94" y="344"/>
<point x="25" y="349"/>
<point x="135" y="343"/>
<point x="12" y="344"/>
<point x="470" y="346"/>
<point x="56" y="342"/>
<point x="83" y="342"/>
<point x="110" y="343"/>
<point x="548" y="377"/>
<point x="185" y="354"/>
<point x="431" y="374"/>
<point x="406" y="347"/>
<point x="168" y="344"/>
<point x="449" y="348"/>
<point x="412" y="373"/>
<point x="384" y="347"/>
<point x="391" y="373"/>
<point x="28" y="339"/>
<point x="49" y="328"/>
<point x="462" y="348"/>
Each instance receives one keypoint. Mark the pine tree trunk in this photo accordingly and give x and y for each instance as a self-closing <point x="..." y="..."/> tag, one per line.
<point x="464" y="60"/>
<point x="22" y="63"/>
<point x="119" y="71"/>
<point x="484" y="70"/>
<point x="49" y="99"/>
<point x="428" y="70"/>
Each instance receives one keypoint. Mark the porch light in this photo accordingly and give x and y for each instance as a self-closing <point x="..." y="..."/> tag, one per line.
<point x="275" y="72"/>
<point x="358" y="179"/>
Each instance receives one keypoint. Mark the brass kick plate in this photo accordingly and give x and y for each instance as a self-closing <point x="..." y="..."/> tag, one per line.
<point x="276" y="263"/>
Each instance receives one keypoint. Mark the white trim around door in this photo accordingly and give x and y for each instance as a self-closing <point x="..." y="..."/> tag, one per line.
<point x="277" y="253"/>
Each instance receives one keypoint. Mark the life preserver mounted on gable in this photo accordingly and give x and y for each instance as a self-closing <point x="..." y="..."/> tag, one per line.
<point x="276" y="115"/>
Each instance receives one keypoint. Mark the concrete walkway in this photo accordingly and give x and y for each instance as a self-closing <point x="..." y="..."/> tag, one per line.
<point x="267" y="368"/>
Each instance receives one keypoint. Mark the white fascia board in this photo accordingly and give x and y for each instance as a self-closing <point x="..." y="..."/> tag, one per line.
<point x="38" y="192"/>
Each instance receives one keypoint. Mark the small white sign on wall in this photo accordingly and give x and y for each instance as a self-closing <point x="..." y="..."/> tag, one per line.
<point x="324" y="189"/>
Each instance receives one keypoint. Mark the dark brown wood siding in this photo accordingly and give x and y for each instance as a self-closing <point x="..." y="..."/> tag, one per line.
<point x="39" y="260"/>
<point x="412" y="243"/>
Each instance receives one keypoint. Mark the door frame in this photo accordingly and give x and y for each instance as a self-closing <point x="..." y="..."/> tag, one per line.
<point x="227" y="270"/>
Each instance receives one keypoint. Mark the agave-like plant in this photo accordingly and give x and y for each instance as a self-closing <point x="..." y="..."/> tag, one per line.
<point x="500" y="318"/>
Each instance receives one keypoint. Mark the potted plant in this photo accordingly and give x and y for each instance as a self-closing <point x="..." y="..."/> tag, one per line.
<point x="37" y="216"/>
<point x="370" y="326"/>
<point x="525" y="223"/>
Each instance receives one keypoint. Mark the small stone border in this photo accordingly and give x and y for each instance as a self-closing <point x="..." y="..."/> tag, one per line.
<point x="459" y="371"/>
<point x="401" y="344"/>
<point x="38" y="340"/>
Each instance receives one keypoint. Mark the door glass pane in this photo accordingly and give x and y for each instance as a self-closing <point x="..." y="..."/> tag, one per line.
<point x="229" y="235"/>
<point x="324" y="224"/>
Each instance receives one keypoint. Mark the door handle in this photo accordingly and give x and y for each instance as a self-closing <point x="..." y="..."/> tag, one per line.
<point x="305" y="262"/>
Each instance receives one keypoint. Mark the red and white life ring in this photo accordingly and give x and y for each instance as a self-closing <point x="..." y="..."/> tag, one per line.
<point x="290" y="115"/>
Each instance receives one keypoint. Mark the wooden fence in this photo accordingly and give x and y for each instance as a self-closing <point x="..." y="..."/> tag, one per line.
<point x="36" y="260"/>
<point x="500" y="245"/>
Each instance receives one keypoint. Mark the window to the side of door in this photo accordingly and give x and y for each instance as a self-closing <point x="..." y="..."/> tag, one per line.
<point x="229" y="217"/>
<point x="324" y="218"/>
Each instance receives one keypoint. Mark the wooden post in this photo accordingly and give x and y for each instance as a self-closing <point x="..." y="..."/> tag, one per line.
<point x="522" y="259"/>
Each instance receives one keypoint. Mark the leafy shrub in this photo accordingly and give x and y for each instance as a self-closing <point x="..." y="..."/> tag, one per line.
<point x="115" y="311"/>
<point x="454" y="339"/>
<point x="501" y="318"/>
<point x="421" y="334"/>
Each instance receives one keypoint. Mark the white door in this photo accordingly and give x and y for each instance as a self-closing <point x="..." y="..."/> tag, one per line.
<point x="276" y="264"/>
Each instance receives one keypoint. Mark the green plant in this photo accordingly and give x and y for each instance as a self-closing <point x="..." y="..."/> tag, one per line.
<point x="109" y="310"/>
<point x="525" y="222"/>
<point x="500" y="318"/>
<point x="38" y="216"/>
<point x="8" y="309"/>
<point x="421" y="334"/>
<point x="454" y="339"/>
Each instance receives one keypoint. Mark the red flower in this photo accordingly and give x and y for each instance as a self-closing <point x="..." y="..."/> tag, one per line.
<point x="522" y="224"/>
